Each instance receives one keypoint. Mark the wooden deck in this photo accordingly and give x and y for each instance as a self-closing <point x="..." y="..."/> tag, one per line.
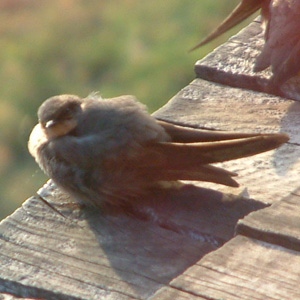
<point x="200" y="242"/>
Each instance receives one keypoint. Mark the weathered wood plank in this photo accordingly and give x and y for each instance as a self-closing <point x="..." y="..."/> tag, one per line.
<point x="268" y="177"/>
<point x="278" y="224"/>
<point x="91" y="254"/>
<point x="6" y="296"/>
<point x="170" y="293"/>
<point x="243" y="269"/>
<point x="210" y="105"/>
<point x="232" y="64"/>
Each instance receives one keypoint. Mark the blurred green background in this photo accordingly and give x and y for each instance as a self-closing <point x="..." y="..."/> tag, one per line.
<point x="113" y="46"/>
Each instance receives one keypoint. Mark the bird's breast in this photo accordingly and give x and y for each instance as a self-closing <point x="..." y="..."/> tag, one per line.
<point x="37" y="139"/>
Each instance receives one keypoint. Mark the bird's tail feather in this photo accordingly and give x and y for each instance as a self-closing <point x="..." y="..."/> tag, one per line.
<point x="206" y="173"/>
<point x="189" y="161"/>
<point x="181" y="154"/>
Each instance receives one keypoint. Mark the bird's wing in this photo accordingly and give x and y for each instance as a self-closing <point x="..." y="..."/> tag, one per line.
<point x="206" y="173"/>
<point x="242" y="11"/>
<point x="189" y="161"/>
<point x="183" y="134"/>
<point x="281" y="50"/>
<point x="212" y="152"/>
<point x="287" y="68"/>
<point x="282" y="46"/>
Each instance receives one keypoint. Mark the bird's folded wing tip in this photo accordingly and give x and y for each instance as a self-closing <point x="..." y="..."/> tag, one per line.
<point x="278" y="138"/>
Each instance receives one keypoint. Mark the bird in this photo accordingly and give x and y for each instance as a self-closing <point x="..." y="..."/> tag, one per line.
<point x="281" y="23"/>
<point x="112" y="152"/>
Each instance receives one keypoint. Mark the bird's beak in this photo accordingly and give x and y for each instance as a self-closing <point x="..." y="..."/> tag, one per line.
<point x="50" y="124"/>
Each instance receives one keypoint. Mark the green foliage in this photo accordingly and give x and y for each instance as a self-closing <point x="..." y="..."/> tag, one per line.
<point x="72" y="46"/>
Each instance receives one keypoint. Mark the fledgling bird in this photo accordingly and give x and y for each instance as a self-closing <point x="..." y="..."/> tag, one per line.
<point x="111" y="151"/>
<point x="281" y="23"/>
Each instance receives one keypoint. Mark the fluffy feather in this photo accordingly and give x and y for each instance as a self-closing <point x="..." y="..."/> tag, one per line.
<point x="112" y="151"/>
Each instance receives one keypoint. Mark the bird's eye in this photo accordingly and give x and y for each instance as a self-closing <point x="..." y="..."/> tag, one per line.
<point x="67" y="114"/>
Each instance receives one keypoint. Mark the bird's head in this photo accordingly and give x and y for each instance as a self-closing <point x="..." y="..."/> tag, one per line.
<point x="59" y="115"/>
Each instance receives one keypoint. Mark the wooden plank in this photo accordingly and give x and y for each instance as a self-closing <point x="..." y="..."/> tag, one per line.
<point x="170" y="293"/>
<point x="232" y="64"/>
<point x="90" y="254"/>
<point x="268" y="177"/>
<point x="243" y="269"/>
<point x="6" y="296"/>
<point x="278" y="224"/>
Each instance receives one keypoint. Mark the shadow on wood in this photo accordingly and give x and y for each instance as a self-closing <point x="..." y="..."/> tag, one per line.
<point x="127" y="255"/>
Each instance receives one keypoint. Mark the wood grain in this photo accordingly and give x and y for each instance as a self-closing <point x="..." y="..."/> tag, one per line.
<point x="278" y="224"/>
<point x="232" y="64"/>
<point x="244" y="269"/>
<point x="268" y="177"/>
<point x="89" y="254"/>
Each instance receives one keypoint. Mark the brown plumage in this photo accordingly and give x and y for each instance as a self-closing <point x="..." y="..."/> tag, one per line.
<point x="112" y="151"/>
<point x="281" y="22"/>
